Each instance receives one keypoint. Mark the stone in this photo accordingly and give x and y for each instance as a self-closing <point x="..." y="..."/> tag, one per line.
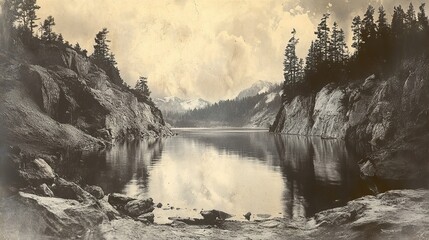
<point x="213" y="215"/>
<point x="147" y="217"/>
<point x="119" y="200"/>
<point x="138" y="207"/>
<point x="70" y="190"/>
<point x="37" y="172"/>
<point x="247" y="215"/>
<point x="47" y="217"/>
<point x="45" y="191"/>
<point x="95" y="191"/>
<point x="159" y="205"/>
<point x="270" y="224"/>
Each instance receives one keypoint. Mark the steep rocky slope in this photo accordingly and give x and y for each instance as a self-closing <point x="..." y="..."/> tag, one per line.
<point x="388" y="114"/>
<point x="61" y="99"/>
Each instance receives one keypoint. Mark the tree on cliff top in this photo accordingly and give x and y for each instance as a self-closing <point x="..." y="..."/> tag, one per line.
<point x="105" y="59"/>
<point x="142" y="90"/>
<point x="292" y="69"/>
<point x="46" y="28"/>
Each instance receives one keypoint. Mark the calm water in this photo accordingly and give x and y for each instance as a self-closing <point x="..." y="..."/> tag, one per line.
<point x="236" y="171"/>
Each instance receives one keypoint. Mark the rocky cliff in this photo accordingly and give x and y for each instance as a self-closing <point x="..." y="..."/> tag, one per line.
<point x="388" y="114"/>
<point x="60" y="99"/>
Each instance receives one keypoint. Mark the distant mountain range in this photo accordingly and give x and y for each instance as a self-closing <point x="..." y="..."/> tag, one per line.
<point x="178" y="105"/>
<point x="255" y="106"/>
<point x="257" y="88"/>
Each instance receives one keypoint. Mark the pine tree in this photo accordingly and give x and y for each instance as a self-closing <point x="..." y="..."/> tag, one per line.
<point x="101" y="48"/>
<point x="301" y="69"/>
<point x="422" y="18"/>
<point x="369" y="28"/>
<point x="382" y="25"/>
<point x="60" y="38"/>
<point x="322" y="42"/>
<point x="357" y="33"/>
<point x="410" y="18"/>
<point x="46" y="27"/>
<point x="290" y="64"/>
<point x="25" y="11"/>
<point x="29" y="8"/>
<point x="142" y="90"/>
<point x="342" y="46"/>
<point x="310" y="60"/>
<point x="398" y="22"/>
<point x="77" y="48"/>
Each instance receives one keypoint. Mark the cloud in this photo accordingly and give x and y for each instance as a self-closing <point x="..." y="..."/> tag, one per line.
<point x="196" y="48"/>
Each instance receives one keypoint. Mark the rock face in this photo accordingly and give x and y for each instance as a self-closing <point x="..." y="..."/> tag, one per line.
<point x="67" y="97"/>
<point x="387" y="114"/>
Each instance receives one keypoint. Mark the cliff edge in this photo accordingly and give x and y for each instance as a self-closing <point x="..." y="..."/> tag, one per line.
<point x="62" y="100"/>
<point x="387" y="115"/>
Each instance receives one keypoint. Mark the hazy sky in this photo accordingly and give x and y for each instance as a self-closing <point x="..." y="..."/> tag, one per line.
<point x="193" y="48"/>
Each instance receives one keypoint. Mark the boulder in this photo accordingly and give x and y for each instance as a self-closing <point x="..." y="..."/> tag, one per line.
<point x="159" y="205"/>
<point x="147" y="217"/>
<point x="36" y="172"/>
<point x="119" y="200"/>
<point x="31" y="216"/>
<point x="95" y="191"/>
<point x="212" y="215"/>
<point x="45" y="191"/>
<point x="138" y="207"/>
<point x="247" y="215"/>
<point x="70" y="190"/>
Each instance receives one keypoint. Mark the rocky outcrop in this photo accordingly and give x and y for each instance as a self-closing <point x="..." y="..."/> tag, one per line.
<point x="388" y="114"/>
<point x="66" y="97"/>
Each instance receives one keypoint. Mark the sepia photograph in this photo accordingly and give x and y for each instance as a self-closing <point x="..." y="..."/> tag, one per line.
<point x="214" y="119"/>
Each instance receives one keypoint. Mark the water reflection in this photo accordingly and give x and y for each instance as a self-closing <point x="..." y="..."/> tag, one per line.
<point x="236" y="172"/>
<point x="318" y="174"/>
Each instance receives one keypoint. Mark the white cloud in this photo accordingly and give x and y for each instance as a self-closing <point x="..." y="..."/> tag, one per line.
<point x="208" y="49"/>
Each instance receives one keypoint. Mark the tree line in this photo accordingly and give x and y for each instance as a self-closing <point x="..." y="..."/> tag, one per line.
<point x="379" y="46"/>
<point x="20" y="22"/>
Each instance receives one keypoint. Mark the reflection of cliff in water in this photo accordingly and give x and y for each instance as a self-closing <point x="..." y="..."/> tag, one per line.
<point x="125" y="167"/>
<point x="318" y="174"/>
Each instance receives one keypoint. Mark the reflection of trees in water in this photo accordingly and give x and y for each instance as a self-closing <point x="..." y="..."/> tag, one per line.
<point x="257" y="145"/>
<point x="318" y="174"/>
<point x="124" y="164"/>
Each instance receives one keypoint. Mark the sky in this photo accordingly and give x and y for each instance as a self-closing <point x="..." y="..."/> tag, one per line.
<point x="210" y="49"/>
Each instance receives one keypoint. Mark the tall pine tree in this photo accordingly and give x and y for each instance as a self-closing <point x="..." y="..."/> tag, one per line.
<point x="291" y="61"/>
<point x="357" y="33"/>
<point x="322" y="40"/>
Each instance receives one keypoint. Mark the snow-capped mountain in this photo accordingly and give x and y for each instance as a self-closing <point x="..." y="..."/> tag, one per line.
<point x="178" y="105"/>
<point x="257" y="88"/>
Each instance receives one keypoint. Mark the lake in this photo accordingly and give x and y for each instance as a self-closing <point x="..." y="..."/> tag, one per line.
<point x="233" y="170"/>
